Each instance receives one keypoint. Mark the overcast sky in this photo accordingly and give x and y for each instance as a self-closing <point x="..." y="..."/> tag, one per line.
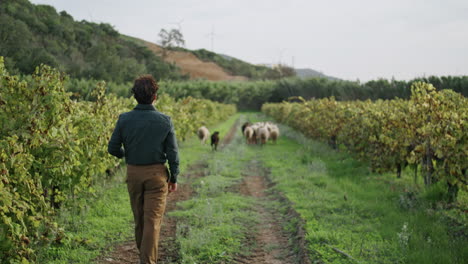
<point x="349" y="39"/>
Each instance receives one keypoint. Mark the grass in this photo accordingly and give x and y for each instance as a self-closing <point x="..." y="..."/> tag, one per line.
<point x="374" y="218"/>
<point x="214" y="223"/>
<point x="103" y="221"/>
<point x="106" y="218"/>
<point x="192" y="150"/>
<point x="211" y="229"/>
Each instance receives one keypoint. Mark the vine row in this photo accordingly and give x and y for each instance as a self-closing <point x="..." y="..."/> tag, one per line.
<point x="53" y="150"/>
<point x="428" y="132"/>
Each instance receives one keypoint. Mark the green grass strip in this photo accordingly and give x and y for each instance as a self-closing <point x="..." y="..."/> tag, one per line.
<point x="214" y="223"/>
<point x="102" y="221"/>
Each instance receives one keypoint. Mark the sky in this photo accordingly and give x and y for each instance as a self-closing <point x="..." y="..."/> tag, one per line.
<point x="348" y="39"/>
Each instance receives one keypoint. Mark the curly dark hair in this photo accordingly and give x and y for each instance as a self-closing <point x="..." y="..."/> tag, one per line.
<point x="144" y="88"/>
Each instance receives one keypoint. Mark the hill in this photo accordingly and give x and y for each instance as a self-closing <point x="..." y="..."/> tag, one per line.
<point x="195" y="67"/>
<point x="238" y="67"/>
<point x="190" y="64"/>
<point x="34" y="34"/>
<point x="208" y="65"/>
<point x="310" y="73"/>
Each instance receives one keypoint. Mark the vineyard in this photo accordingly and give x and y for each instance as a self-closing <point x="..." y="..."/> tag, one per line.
<point x="427" y="133"/>
<point x="53" y="149"/>
<point x="310" y="169"/>
<point x="296" y="200"/>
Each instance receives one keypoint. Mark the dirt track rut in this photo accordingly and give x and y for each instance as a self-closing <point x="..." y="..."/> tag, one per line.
<point x="269" y="242"/>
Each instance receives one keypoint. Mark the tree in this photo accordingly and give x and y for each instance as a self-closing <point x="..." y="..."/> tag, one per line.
<point x="170" y="39"/>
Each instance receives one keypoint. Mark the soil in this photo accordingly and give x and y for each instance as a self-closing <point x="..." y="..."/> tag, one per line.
<point x="196" y="68"/>
<point x="269" y="243"/>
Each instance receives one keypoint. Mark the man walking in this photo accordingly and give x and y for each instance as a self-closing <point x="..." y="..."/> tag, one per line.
<point x="148" y="141"/>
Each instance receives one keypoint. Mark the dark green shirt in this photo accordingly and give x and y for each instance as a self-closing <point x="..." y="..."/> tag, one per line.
<point x="147" y="137"/>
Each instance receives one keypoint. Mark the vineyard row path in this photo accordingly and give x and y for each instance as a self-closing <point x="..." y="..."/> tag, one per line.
<point x="268" y="243"/>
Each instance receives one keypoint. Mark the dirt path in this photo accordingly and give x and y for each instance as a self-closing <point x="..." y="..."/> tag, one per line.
<point x="168" y="249"/>
<point x="269" y="243"/>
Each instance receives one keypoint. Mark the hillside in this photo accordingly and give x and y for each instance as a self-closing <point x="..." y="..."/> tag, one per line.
<point x="238" y="67"/>
<point x="310" y="73"/>
<point x="34" y="34"/>
<point x="193" y="66"/>
<point x="204" y="64"/>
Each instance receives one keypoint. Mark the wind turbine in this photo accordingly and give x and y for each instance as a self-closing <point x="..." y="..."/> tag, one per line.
<point x="212" y="35"/>
<point x="281" y="56"/>
<point x="90" y="14"/>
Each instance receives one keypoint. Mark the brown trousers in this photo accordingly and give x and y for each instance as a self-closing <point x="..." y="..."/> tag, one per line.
<point x="147" y="187"/>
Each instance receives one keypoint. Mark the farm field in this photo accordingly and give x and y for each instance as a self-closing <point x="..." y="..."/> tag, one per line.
<point x="345" y="145"/>
<point x="296" y="201"/>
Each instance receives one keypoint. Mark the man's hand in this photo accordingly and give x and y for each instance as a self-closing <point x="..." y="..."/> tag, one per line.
<point x="172" y="187"/>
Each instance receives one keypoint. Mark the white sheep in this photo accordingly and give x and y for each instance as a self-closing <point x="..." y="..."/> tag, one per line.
<point x="274" y="132"/>
<point x="263" y="135"/>
<point x="255" y="127"/>
<point x="249" y="135"/>
<point x="203" y="134"/>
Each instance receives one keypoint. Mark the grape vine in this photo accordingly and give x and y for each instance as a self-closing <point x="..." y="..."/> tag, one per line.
<point x="428" y="132"/>
<point x="53" y="149"/>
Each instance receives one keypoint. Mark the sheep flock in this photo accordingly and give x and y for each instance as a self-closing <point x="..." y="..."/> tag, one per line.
<point x="260" y="132"/>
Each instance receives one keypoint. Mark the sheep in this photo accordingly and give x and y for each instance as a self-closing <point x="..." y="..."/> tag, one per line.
<point x="203" y="134"/>
<point x="274" y="133"/>
<point x="263" y="135"/>
<point x="246" y="124"/>
<point x="249" y="135"/>
<point x="214" y="140"/>
<point x="255" y="128"/>
<point x="269" y="125"/>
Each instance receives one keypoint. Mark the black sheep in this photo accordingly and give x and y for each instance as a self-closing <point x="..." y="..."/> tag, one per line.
<point x="215" y="140"/>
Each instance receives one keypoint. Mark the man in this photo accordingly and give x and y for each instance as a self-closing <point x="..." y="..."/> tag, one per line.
<point x="148" y="141"/>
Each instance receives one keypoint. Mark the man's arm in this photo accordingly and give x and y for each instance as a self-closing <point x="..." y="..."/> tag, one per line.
<point x="115" y="143"/>
<point x="172" y="153"/>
